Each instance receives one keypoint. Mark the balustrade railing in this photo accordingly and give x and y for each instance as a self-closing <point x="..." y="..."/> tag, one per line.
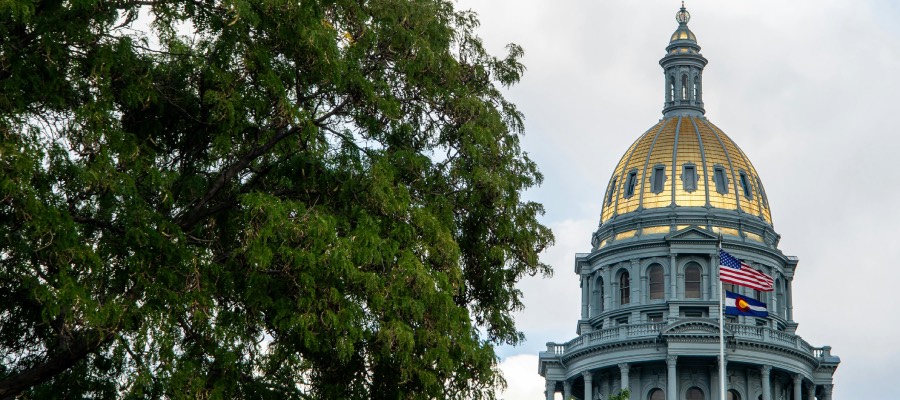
<point x="634" y="331"/>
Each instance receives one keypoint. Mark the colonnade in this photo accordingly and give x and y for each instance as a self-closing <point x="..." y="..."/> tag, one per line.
<point x="671" y="389"/>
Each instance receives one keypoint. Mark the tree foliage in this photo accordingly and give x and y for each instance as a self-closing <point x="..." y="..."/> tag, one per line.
<point x="258" y="199"/>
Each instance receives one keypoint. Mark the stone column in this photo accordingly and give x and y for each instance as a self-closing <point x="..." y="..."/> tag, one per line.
<point x="624" y="369"/>
<point x="567" y="390"/>
<point x="828" y="388"/>
<point x="714" y="273"/>
<point x="585" y="295"/>
<point x="812" y="392"/>
<point x="550" y="389"/>
<point x="766" y="371"/>
<point x="588" y="385"/>
<point x="790" y="299"/>
<point x="673" y="277"/>
<point x="798" y="386"/>
<point x="671" y="378"/>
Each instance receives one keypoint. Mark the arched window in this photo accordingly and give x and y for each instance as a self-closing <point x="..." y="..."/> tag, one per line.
<point x="684" y="87"/>
<point x="624" y="288"/>
<point x="656" y="394"/>
<point x="733" y="395"/>
<point x="692" y="280"/>
<point x="696" y="91"/>
<point x="657" y="286"/>
<point x="598" y="296"/>
<point x="671" y="88"/>
<point x="694" y="393"/>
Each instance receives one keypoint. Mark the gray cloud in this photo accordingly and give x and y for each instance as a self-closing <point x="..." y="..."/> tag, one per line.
<point x="808" y="88"/>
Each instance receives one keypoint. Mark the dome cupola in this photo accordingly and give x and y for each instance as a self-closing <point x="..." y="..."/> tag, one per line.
<point x="683" y="67"/>
<point x="684" y="170"/>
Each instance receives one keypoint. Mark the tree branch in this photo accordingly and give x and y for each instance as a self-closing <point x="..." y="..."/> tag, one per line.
<point x="65" y="359"/>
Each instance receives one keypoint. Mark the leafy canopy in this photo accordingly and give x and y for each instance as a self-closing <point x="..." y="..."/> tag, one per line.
<point x="258" y="199"/>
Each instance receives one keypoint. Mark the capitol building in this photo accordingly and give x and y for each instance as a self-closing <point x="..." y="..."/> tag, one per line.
<point x="650" y="283"/>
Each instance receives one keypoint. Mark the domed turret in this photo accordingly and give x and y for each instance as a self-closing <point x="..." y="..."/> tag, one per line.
<point x="684" y="171"/>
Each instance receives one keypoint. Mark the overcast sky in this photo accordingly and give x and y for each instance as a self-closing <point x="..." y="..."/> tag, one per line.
<point x="809" y="89"/>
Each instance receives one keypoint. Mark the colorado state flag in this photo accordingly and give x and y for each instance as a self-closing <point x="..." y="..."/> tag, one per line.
<point x="736" y="304"/>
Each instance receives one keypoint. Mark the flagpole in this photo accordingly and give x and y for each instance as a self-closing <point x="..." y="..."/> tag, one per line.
<point x="721" y="327"/>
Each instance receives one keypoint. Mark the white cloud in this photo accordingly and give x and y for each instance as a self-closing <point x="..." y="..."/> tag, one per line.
<point x="522" y="379"/>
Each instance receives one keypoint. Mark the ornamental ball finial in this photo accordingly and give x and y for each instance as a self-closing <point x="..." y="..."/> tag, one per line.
<point x="683" y="16"/>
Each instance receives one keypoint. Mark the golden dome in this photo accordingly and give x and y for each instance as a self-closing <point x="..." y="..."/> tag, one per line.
<point x="683" y="33"/>
<point x="685" y="161"/>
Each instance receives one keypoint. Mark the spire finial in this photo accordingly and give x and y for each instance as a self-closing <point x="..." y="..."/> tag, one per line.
<point x="683" y="16"/>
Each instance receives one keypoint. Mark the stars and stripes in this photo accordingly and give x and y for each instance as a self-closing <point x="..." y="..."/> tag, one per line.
<point x="732" y="270"/>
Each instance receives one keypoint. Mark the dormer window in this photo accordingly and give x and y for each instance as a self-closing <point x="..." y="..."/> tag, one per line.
<point x="612" y="191"/>
<point x="689" y="177"/>
<point x="720" y="179"/>
<point x="658" y="178"/>
<point x="746" y="186"/>
<point x="630" y="183"/>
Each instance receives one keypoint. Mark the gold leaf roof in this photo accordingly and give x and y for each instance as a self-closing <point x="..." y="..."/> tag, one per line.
<point x="670" y="146"/>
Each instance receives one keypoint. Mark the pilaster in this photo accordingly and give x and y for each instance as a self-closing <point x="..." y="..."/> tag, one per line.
<point x="673" y="276"/>
<point x="790" y="298"/>
<point x="585" y="295"/>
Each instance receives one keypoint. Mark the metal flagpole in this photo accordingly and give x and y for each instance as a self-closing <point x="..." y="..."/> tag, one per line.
<point x="721" y="327"/>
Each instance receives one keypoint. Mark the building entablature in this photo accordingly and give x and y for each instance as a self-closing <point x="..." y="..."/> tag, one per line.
<point x="690" y="241"/>
<point x="732" y="224"/>
<point x="637" y="343"/>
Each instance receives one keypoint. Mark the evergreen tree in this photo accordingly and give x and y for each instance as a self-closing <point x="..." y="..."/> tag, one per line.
<point x="258" y="199"/>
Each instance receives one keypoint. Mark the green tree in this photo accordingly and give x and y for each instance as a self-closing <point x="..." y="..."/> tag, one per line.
<point x="258" y="199"/>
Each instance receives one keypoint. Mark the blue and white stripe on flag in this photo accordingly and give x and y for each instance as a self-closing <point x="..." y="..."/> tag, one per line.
<point x="736" y="304"/>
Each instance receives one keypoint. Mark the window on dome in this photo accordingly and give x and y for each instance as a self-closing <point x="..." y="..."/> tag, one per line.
<point x="612" y="191"/>
<point x="658" y="178"/>
<point x="689" y="177"/>
<point x="630" y="184"/>
<point x="655" y="317"/>
<point x="733" y="395"/>
<point x="694" y="393"/>
<point x="684" y="87"/>
<point x="745" y="184"/>
<point x="657" y="394"/>
<point x="692" y="281"/>
<point x="624" y="288"/>
<point x="657" y="286"/>
<point x="720" y="179"/>
<point x="762" y="192"/>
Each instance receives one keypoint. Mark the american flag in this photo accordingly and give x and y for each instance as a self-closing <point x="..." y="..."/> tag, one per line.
<point x="731" y="270"/>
